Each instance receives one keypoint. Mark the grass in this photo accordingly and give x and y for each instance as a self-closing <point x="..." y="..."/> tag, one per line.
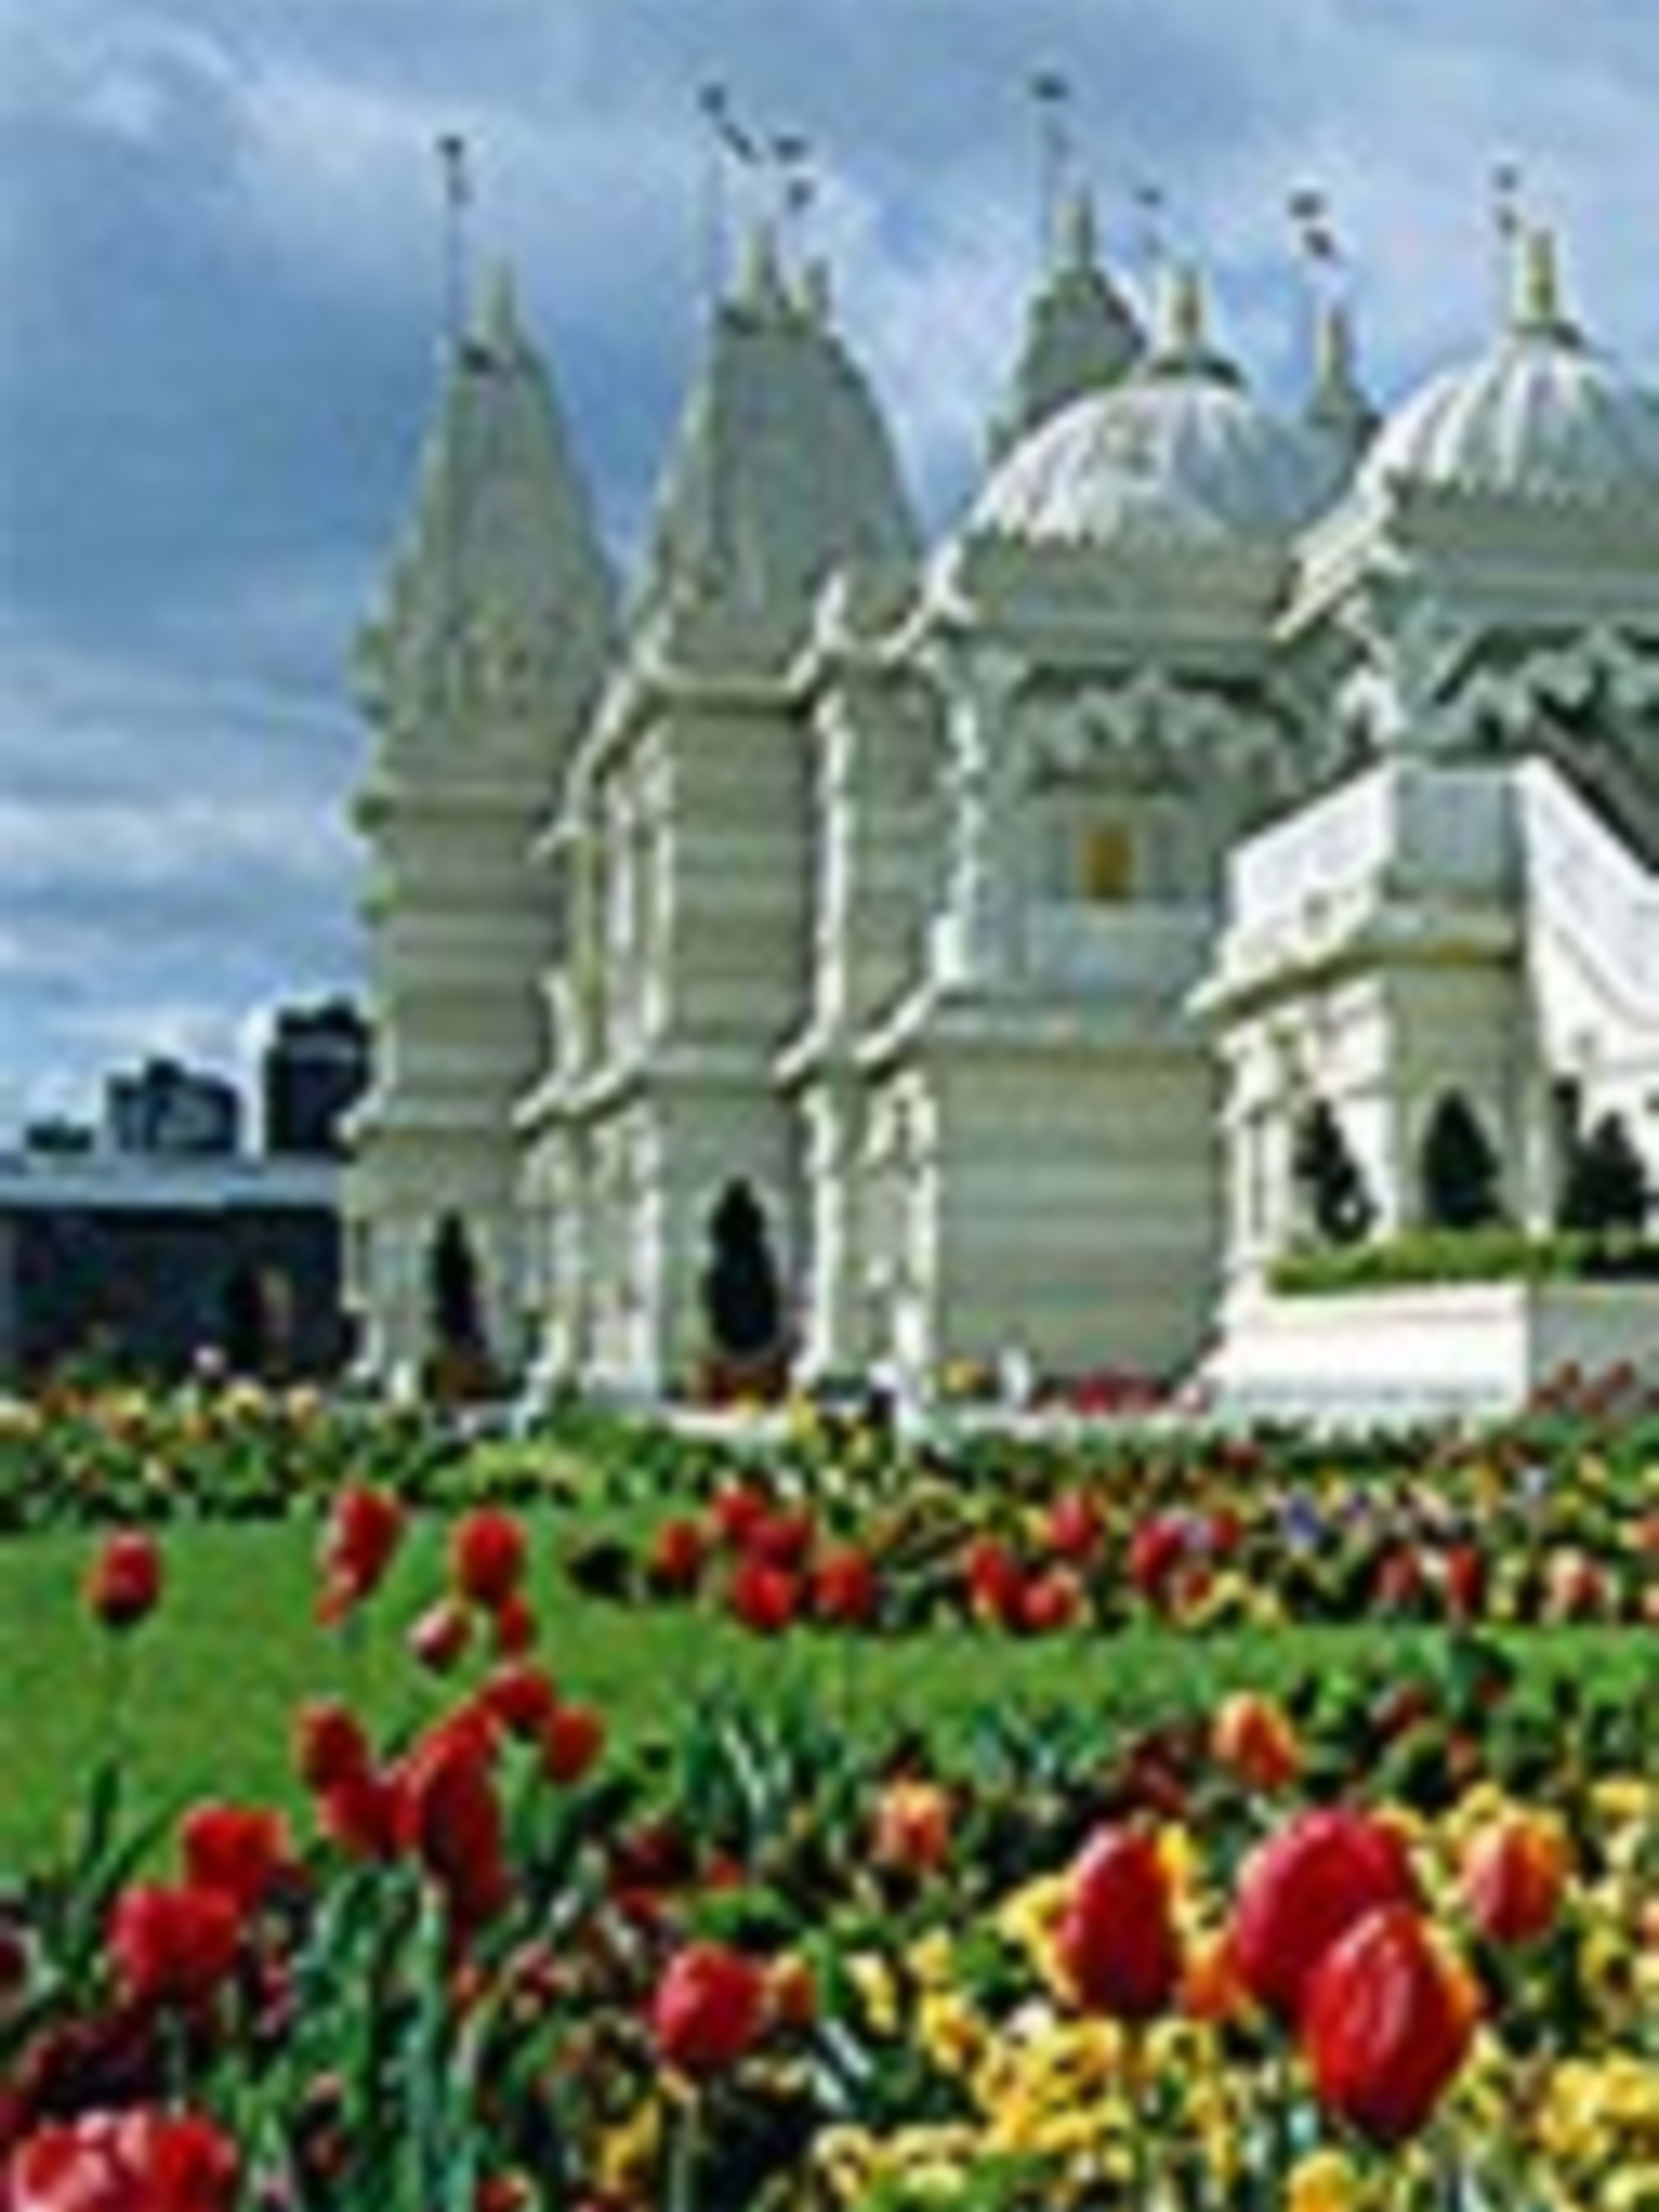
<point x="215" y="1677"/>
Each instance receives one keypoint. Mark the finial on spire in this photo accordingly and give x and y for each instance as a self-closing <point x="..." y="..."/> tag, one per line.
<point x="1079" y="234"/>
<point x="730" y="147"/>
<point x="455" y="185"/>
<point x="1180" y="334"/>
<point x="496" y="321"/>
<point x="1150" y="208"/>
<point x="818" y="292"/>
<point x="1333" y="348"/>
<point x="763" y="288"/>
<point x="1338" y="401"/>
<point x="1535" y="288"/>
<point x="1335" y="400"/>
<point x="1310" y="214"/>
<point x="1051" y="95"/>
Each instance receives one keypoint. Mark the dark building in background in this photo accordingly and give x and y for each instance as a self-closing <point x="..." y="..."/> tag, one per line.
<point x="141" y="1246"/>
<point x="315" y="1068"/>
<point x="166" y="1110"/>
<point x="139" y="1265"/>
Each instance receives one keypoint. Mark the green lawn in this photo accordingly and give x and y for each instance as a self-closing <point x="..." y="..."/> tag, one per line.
<point x="215" y="1676"/>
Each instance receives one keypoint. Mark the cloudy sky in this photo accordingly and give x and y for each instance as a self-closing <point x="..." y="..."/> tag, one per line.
<point x="222" y="276"/>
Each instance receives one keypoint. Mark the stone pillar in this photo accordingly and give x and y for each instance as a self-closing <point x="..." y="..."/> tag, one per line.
<point x="973" y="941"/>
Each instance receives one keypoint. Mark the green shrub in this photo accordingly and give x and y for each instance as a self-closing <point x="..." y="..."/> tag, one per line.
<point x="1494" y="1254"/>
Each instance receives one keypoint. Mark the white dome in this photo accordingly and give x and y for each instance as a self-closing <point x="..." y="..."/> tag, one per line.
<point x="1179" y="455"/>
<point x="1539" y="416"/>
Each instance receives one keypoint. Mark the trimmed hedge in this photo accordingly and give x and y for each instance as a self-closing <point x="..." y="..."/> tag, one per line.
<point x="1471" y="1255"/>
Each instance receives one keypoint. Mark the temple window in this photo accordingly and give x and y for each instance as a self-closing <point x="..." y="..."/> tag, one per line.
<point x="1108" y="863"/>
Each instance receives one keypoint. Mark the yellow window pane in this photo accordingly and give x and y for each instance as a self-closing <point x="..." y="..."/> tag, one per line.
<point x="1108" y="863"/>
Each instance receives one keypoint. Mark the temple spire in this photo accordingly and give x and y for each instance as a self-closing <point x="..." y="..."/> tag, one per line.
<point x="1078" y="241"/>
<point x="762" y="289"/>
<point x="1535" y="309"/>
<point x="1338" y="402"/>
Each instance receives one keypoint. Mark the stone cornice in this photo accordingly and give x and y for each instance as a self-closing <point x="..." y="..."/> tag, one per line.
<point x="1349" y="936"/>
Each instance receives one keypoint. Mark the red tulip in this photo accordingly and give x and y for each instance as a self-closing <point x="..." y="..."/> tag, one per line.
<point x="780" y="1538"/>
<point x="140" y="2160"/>
<point x="735" y="1508"/>
<point x="123" y="1583"/>
<point x="1399" y="1581"/>
<point x="572" y="1739"/>
<point x="766" y="1599"/>
<point x="522" y="1697"/>
<point x="1513" y="1875"/>
<point x="845" y="1590"/>
<point x="996" y="1582"/>
<point x="172" y="1946"/>
<point x="1306" y="1886"/>
<point x="1117" y="1942"/>
<point x="1386" y="2023"/>
<point x="330" y="1745"/>
<point x="439" y="1638"/>
<point x="358" y="1544"/>
<point x="487" y="1557"/>
<point x="1075" y="1526"/>
<point x="1465" y="1569"/>
<point x="513" y="1627"/>
<point x="674" y="1562"/>
<point x="449" y="1815"/>
<point x="358" y="1813"/>
<point x="1157" y="1548"/>
<point x="244" y="1850"/>
<point x="709" y="2009"/>
<point x="1049" y="1603"/>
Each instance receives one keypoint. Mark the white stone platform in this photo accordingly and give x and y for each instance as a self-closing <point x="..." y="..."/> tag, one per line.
<point x="1464" y="1349"/>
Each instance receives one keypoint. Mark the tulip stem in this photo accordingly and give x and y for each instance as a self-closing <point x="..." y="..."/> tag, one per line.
<point x="115" y="1694"/>
<point x="684" y="2157"/>
<point x="1135" y="2098"/>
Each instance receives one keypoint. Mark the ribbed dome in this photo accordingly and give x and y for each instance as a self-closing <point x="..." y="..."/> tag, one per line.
<point x="1179" y="455"/>
<point x="1541" y="417"/>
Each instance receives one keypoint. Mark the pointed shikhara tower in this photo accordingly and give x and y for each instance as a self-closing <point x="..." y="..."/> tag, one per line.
<point x="474" y="676"/>
<point x="682" y="848"/>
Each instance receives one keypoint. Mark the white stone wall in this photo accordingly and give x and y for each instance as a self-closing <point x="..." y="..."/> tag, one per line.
<point x="1477" y="1349"/>
<point x="1057" y="1195"/>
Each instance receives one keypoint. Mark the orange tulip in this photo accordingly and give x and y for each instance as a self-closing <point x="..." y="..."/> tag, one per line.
<point x="1252" y="1738"/>
<point x="913" y="1826"/>
<point x="1513" y="1875"/>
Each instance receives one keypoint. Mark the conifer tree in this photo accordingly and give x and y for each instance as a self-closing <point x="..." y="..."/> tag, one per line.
<point x="742" y="1298"/>
<point x="1606" y="1186"/>
<point x="1459" y="1168"/>
<point x="1339" y="1205"/>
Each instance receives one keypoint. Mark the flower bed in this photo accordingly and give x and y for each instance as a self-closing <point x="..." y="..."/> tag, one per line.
<point x="1392" y="1942"/>
<point x="1217" y="1535"/>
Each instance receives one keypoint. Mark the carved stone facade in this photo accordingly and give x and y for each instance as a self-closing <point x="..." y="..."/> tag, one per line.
<point x="993" y="915"/>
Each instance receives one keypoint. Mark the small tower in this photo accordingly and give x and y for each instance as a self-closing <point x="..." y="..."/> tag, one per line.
<point x="686" y="834"/>
<point x="781" y="472"/>
<point x="474" y="678"/>
<point x="1338" y="405"/>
